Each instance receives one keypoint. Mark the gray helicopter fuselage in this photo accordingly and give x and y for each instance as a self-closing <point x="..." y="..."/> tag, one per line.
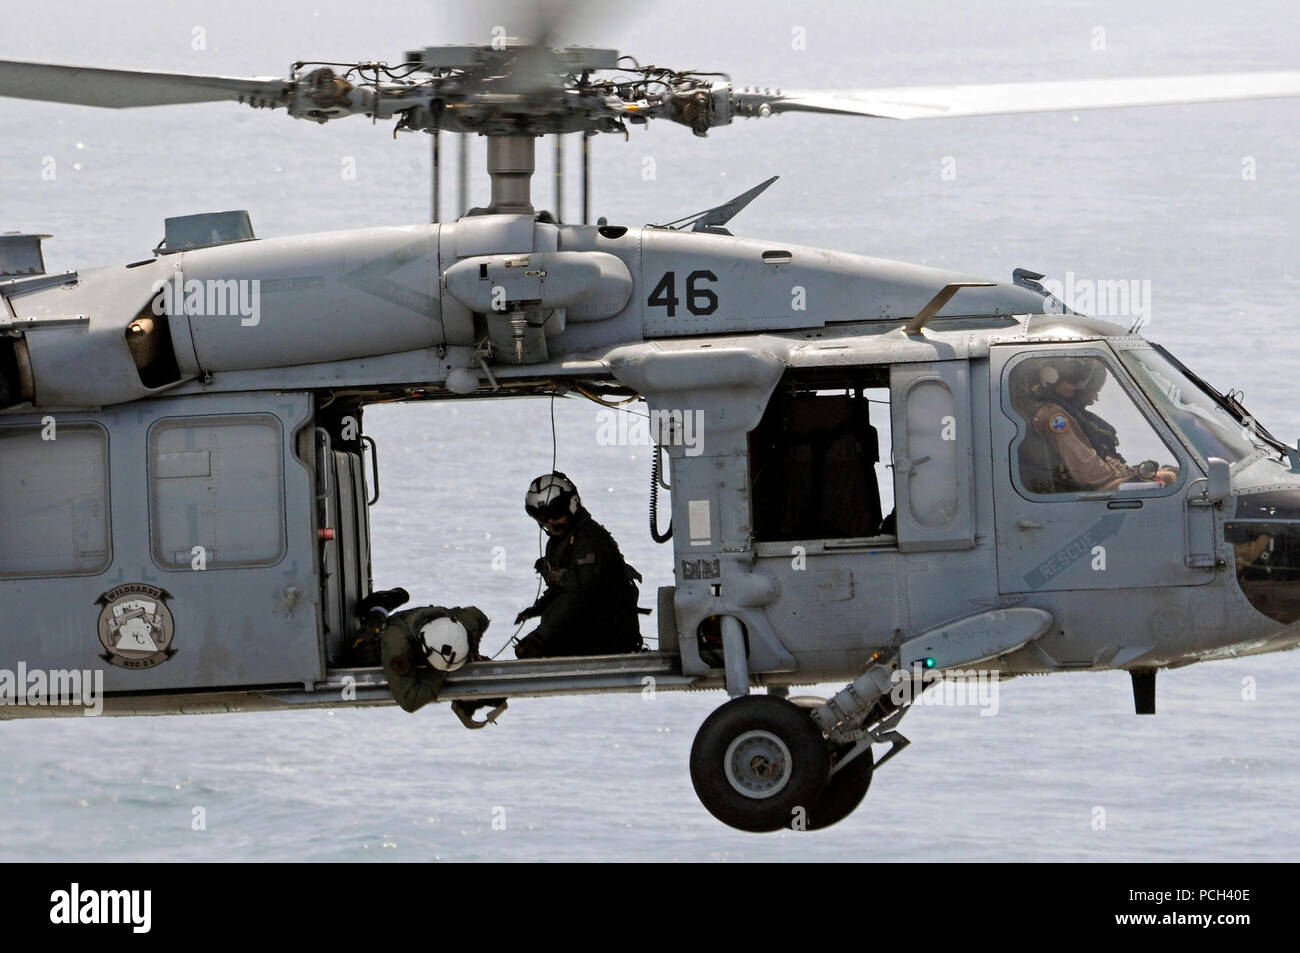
<point x="184" y="461"/>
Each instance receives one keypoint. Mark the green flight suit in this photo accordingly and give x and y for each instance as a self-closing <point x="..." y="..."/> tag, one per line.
<point x="412" y="680"/>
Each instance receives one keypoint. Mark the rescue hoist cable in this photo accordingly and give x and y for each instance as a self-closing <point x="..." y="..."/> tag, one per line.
<point x="541" y="548"/>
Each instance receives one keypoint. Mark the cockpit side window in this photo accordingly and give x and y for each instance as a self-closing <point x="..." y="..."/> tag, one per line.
<point x="1081" y="432"/>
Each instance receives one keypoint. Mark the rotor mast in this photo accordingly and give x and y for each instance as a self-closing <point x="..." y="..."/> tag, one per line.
<point x="511" y="161"/>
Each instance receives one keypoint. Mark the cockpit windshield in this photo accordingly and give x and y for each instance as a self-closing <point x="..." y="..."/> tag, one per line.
<point x="1202" y="420"/>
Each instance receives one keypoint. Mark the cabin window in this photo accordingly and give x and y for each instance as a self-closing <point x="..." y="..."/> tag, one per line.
<point x="54" y="516"/>
<point x="1082" y="432"/>
<point x="217" y="492"/>
<point x="931" y="415"/>
<point x="815" y="470"/>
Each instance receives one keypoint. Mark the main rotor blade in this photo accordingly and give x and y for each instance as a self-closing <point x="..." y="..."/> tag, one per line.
<point x="119" y="89"/>
<point x="938" y="102"/>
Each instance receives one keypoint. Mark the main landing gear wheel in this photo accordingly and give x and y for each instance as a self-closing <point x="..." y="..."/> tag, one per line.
<point x="843" y="792"/>
<point x="846" y="787"/>
<point x="756" y="759"/>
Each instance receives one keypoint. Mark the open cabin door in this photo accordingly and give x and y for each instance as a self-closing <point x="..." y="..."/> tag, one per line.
<point x="343" y="510"/>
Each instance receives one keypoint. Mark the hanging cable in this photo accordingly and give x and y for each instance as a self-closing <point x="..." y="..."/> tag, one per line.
<point x="541" y="545"/>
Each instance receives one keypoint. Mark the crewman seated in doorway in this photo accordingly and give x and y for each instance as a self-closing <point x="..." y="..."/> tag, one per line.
<point x="590" y="603"/>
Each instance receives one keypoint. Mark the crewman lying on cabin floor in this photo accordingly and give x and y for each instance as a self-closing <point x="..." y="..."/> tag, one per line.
<point x="420" y="646"/>
<point x="589" y="606"/>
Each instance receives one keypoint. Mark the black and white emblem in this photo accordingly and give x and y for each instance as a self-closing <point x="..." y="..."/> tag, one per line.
<point x="136" y="626"/>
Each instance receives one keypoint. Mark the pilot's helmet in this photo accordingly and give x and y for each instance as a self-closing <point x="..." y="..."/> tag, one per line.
<point x="1075" y="370"/>
<point x="445" y="643"/>
<point x="551" y="496"/>
<point x="1097" y="378"/>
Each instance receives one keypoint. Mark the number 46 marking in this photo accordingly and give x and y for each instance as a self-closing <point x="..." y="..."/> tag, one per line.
<point x="698" y="300"/>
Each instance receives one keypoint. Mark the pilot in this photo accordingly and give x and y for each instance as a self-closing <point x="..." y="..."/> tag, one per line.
<point x="1069" y="448"/>
<point x="589" y="606"/>
<point x="1097" y="429"/>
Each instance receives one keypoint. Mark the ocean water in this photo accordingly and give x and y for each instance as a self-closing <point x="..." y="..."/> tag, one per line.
<point x="1152" y="195"/>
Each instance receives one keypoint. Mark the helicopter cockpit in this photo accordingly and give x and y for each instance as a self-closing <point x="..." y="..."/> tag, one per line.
<point x="1082" y="435"/>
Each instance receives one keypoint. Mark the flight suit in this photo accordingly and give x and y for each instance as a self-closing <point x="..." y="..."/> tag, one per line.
<point x="589" y="606"/>
<point x="1058" y="456"/>
<point x="412" y="680"/>
<point x="1098" y="430"/>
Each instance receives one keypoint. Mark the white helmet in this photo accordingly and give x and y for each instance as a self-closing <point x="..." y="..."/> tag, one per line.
<point x="445" y="643"/>
<point x="551" y="496"/>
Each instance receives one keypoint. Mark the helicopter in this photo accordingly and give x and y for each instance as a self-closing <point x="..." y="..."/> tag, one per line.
<point x="190" y="518"/>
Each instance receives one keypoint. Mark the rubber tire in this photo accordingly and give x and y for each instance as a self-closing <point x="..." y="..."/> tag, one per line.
<point x="844" y="791"/>
<point x="809" y="757"/>
<point x="842" y="794"/>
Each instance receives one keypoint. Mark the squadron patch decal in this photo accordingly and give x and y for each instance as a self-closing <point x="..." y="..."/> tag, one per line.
<point x="1059" y="423"/>
<point x="136" y="627"/>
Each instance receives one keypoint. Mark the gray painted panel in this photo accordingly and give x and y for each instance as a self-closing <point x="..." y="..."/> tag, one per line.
<point x="233" y="626"/>
<point x="53" y="499"/>
<point x="720" y="283"/>
<point x="217" y="484"/>
<point x="327" y="297"/>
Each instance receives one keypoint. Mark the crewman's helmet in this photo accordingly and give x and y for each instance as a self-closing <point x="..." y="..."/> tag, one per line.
<point x="551" y="496"/>
<point x="445" y="643"/>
